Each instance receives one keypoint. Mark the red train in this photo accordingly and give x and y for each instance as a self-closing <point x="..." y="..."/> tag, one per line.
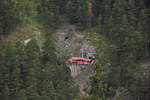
<point x="80" y="60"/>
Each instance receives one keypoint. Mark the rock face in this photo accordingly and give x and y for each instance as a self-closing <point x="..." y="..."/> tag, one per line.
<point x="72" y="43"/>
<point x="75" y="69"/>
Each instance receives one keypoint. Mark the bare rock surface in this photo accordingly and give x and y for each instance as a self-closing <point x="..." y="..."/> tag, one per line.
<point x="72" y="43"/>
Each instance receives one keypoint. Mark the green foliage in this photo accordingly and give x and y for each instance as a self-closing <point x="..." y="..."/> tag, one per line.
<point x="121" y="38"/>
<point x="103" y="46"/>
<point x="126" y="30"/>
<point x="25" y="73"/>
<point x="13" y="13"/>
<point x="99" y="89"/>
<point x="77" y="11"/>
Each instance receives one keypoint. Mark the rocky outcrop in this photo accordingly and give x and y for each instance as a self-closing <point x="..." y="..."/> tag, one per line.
<point x="72" y="43"/>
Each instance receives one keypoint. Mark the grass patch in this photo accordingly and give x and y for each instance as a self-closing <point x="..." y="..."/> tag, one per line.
<point x="103" y="46"/>
<point x="28" y="30"/>
<point x="95" y="29"/>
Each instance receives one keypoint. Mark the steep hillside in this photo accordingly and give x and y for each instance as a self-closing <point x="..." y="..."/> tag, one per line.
<point x="38" y="36"/>
<point x="30" y="68"/>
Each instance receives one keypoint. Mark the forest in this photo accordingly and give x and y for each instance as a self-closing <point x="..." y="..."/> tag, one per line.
<point x="119" y="29"/>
